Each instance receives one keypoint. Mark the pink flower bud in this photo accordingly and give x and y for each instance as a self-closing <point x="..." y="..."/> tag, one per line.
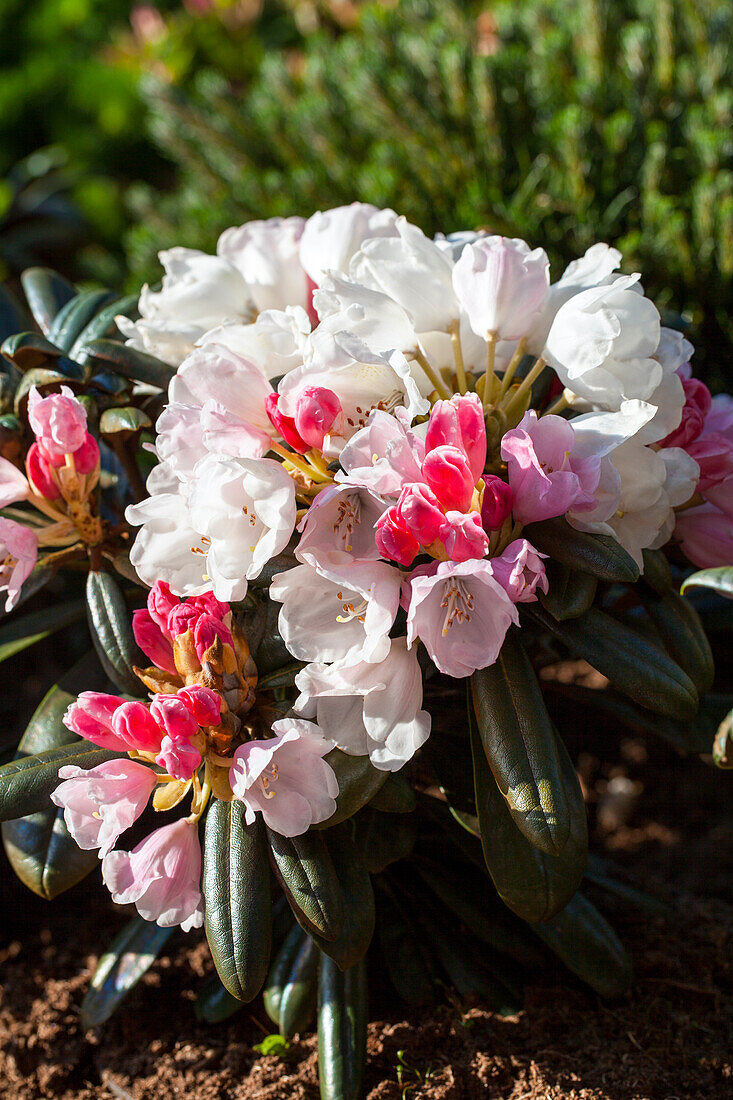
<point x="285" y="425"/>
<point x="179" y="758"/>
<point x="173" y="716"/>
<point x="460" y="423"/>
<point x="205" y="632"/>
<point x="152" y="641"/>
<point x="208" y="602"/>
<point x="86" y="458"/>
<point x="135" y="726"/>
<point x="420" y="512"/>
<point x="465" y="538"/>
<point x="316" y="410"/>
<point x="204" y="704"/>
<point x="183" y="617"/>
<point x="497" y="502"/>
<point x="448" y="474"/>
<point x="38" y="469"/>
<point x="713" y="453"/>
<point x="697" y="407"/>
<point x="59" y="421"/>
<point x="91" y="717"/>
<point x="393" y="539"/>
<point x="161" y="602"/>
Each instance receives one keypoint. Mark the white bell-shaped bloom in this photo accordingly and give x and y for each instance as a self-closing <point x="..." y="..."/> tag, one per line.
<point x="502" y="284"/>
<point x="331" y="237"/>
<point x="276" y="341"/>
<point x="267" y="253"/>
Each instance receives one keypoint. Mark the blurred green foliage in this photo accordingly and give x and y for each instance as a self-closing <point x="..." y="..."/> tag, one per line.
<point x="562" y="121"/>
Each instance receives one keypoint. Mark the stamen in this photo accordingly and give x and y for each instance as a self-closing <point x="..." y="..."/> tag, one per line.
<point x="350" y="612"/>
<point x="458" y="604"/>
<point x="269" y="775"/>
<point x="349" y="515"/>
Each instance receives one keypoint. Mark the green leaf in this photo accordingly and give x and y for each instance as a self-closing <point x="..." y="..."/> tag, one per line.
<point x="125" y="419"/>
<point x="395" y="796"/>
<point x="236" y="888"/>
<point x="126" y="960"/>
<point x="309" y="880"/>
<point x="570" y="592"/>
<point x="342" y="1030"/>
<point x="682" y="633"/>
<point x="103" y="324"/>
<point x="30" y="349"/>
<point x="121" y="359"/>
<point x="19" y="634"/>
<point x="384" y="840"/>
<point x="357" y="930"/>
<point x="46" y="293"/>
<point x="599" y="555"/>
<point x="44" y="380"/>
<point x="109" y="624"/>
<point x="657" y="574"/>
<point x="300" y="991"/>
<point x="588" y="946"/>
<point x="534" y="884"/>
<point x="76" y="315"/>
<point x="358" y="782"/>
<point x="278" y="973"/>
<point x="275" y="1046"/>
<point x="522" y="750"/>
<point x="633" y="663"/>
<point x="214" y="1002"/>
<point x="719" y="579"/>
<point x="26" y="784"/>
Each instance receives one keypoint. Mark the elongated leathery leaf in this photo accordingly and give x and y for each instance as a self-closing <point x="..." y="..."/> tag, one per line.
<point x="679" y="627"/>
<point x="300" y="992"/>
<point x="18" y="634"/>
<point x="396" y="796"/>
<point x="633" y="663"/>
<point x="214" y="1002"/>
<point x="357" y="929"/>
<point x="719" y="579"/>
<point x="103" y="323"/>
<point x="308" y="877"/>
<point x="599" y="555"/>
<point x="76" y="315"/>
<point x="29" y="349"/>
<point x="278" y="973"/>
<point x="126" y="960"/>
<point x="358" y="782"/>
<point x="533" y="883"/>
<point x="589" y="947"/>
<point x="46" y="293"/>
<point x="570" y="592"/>
<point x="109" y="623"/>
<point x="342" y="1030"/>
<point x="522" y="750"/>
<point x="236" y="887"/>
<point x="113" y="356"/>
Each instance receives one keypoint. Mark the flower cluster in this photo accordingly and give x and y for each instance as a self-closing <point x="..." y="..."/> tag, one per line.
<point x="398" y="412"/>
<point x="61" y="474"/>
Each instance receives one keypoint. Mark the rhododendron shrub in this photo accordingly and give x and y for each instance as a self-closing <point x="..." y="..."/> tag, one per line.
<point x="395" y="483"/>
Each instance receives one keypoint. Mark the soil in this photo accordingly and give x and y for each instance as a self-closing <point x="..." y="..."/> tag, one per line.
<point x="671" y="1038"/>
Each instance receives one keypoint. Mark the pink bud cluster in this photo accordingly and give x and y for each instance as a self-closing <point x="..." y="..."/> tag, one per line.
<point x="317" y="410"/>
<point x="167" y="617"/>
<point x="59" y="423"/>
<point x="166" y="728"/>
<point x="439" y="509"/>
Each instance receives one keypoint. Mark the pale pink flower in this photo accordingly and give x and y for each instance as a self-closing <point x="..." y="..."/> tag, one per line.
<point x="100" y="804"/>
<point x="461" y="613"/>
<point x="460" y="423"/>
<point x="696" y="408"/>
<point x="545" y="477"/>
<point x="59" y="421"/>
<point x="502" y="285"/>
<point x="18" y="554"/>
<point x="496" y="503"/>
<point x="339" y="527"/>
<point x="706" y="536"/>
<point x="285" y="778"/>
<point x="161" y="876"/>
<point x="520" y="571"/>
<point x="384" y="456"/>
<point x="13" y="485"/>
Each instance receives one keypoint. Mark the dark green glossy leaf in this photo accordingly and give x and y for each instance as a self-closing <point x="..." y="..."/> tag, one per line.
<point x="570" y="592"/>
<point x="46" y="293"/>
<point x="598" y="875"/>
<point x="534" y="884"/>
<point x="384" y="839"/>
<point x="395" y="796"/>
<point x="125" y="419"/>
<point x="300" y="992"/>
<point x="103" y="324"/>
<point x="599" y="555"/>
<point x="76" y="315"/>
<point x="633" y="663"/>
<point x="358" y="782"/>
<point x="719" y="579"/>
<point x="121" y="359"/>
<point x="44" y="380"/>
<point x="278" y="973"/>
<point x="308" y="877"/>
<point x="657" y="574"/>
<point x="589" y="947"/>
<point x="214" y="1002"/>
<point x="109" y="623"/>
<point x="13" y="318"/>
<point x="126" y="960"/>
<point x="682" y="633"/>
<point x="30" y="349"/>
<point x="20" y="633"/>
<point x="26" y="784"/>
<point x="236" y="888"/>
<point x="357" y="929"/>
<point x="342" y="1030"/>
<point x="522" y="750"/>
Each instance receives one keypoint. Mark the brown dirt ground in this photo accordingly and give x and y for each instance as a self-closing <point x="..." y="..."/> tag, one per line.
<point x="670" y="1039"/>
